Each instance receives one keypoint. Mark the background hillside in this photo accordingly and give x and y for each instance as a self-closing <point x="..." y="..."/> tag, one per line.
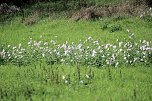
<point x="75" y="9"/>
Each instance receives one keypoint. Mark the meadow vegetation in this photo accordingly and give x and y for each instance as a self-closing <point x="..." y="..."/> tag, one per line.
<point x="53" y="57"/>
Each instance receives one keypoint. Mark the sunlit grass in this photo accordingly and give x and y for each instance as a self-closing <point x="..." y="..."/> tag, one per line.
<point x="67" y="30"/>
<point x="108" y="83"/>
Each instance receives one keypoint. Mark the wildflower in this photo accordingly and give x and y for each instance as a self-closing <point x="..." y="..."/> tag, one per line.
<point x="130" y="62"/>
<point x="46" y="48"/>
<point x="114" y="46"/>
<point x="93" y="53"/>
<point x="106" y="46"/>
<point x="8" y="46"/>
<point x="101" y="51"/>
<point x="54" y="50"/>
<point x="36" y="44"/>
<point x="131" y="35"/>
<point x="58" y="53"/>
<point x="41" y="36"/>
<point x="143" y="48"/>
<point x="41" y="48"/>
<point x="125" y="58"/>
<point x="53" y="42"/>
<point x="99" y="47"/>
<point x="128" y="30"/>
<point x="81" y="81"/>
<point x="72" y="43"/>
<point x="148" y="49"/>
<point x="116" y="65"/>
<point x="20" y="52"/>
<point x="113" y="56"/>
<point x="22" y="49"/>
<point x="66" y="51"/>
<point x="87" y="76"/>
<point x="62" y="60"/>
<point x="9" y="55"/>
<point x="19" y="46"/>
<point x="89" y="38"/>
<point x="135" y="59"/>
<point x="107" y="61"/>
<point x="129" y="49"/>
<point x="147" y="43"/>
<point x="63" y="77"/>
<point x="29" y="43"/>
<point x="15" y="57"/>
<point x="21" y="56"/>
<point x="43" y="55"/>
<point x="88" y="47"/>
<point x="141" y="16"/>
<point x="14" y="48"/>
<point x="120" y="50"/>
<point x="96" y="42"/>
<point x="46" y="43"/>
<point x="2" y="54"/>
<point x="66" y="81"/>
<point x="141" y="59"/>
<point x="144" y="41"/>
<point x="79" y="46"/>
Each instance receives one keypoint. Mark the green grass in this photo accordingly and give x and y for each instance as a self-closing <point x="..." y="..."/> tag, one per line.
<point x="125" y="83"/>
<point x="67" y="30"/>
<point x="122" y="83"/>
<point x="105" y="2"/>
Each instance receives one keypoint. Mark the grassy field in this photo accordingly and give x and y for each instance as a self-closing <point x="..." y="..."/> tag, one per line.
<point x="39" y="81"/>
<point x="68" y="30"/>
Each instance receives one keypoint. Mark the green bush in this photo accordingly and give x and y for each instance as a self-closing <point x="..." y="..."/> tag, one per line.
<point x="147" y="18"/>
<point x="111" y="27"/>
<point x="115" y="27"/>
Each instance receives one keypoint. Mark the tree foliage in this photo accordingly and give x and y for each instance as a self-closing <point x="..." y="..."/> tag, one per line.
<point x="24" y="2"/>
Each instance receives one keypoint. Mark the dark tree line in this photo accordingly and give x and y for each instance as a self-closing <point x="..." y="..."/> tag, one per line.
<point x="149" y="2"/>
<point x="25" y="2"/>
<point x="21" y="3"/>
